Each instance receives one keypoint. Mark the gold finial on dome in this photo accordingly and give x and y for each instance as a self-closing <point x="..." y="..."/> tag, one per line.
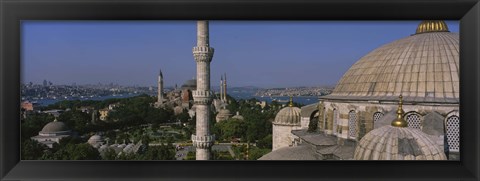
<point x="400" y="122"/>
<point x="291" y="102"/>
<point x="432" y="26"/>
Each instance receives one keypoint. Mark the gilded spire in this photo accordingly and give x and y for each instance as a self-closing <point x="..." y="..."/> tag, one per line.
<point x="432" y="26"/>
<point x="291" y="102"/>
<point x="400" y="122"/>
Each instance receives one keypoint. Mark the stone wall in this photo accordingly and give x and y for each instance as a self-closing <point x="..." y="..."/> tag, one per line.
<point x="282" y="136"/>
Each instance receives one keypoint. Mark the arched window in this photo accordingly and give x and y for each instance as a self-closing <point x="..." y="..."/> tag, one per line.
<point x="335" y="115"/>
<point x="377" y="116"/>
<point x="352" y="120"/>
<point x="414" y="120"/>
<point x="453" y="133"/>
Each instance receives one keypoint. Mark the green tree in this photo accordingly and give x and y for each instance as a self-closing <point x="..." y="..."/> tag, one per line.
<point x="77" y="152"/>
<point x="32" y="150"/>
<point x="75" y="120"/>
<point x="109" y="154"/>
<point x="265" y="143"/>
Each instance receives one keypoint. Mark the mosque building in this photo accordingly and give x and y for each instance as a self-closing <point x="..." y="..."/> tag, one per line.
<point x="52" y="133"/>
<point x="423" y="68"/>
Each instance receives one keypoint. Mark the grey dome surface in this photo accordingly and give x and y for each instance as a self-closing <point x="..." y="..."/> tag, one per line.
<point x="55" y="127"/>
<point x="422" y="67"/>
<point x="288" y="116"/>
<point x="190" y="84"/>
<point x="397" y="143"/>
<point x="224" y="112"/>
<point x="238" y="116"/>
<point x="95" y="139"/>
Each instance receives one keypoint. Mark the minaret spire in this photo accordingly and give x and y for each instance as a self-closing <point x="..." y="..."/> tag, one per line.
<point x="225" y="87"/>
<point x="221" y="87"/>
<point x="202" y="97"/>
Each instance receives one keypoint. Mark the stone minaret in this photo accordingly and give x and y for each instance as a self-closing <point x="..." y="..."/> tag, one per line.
<point x="221" y="88"/>
<point x="225" y="88"/>
<point x="160" y="88"/>
<point x="202" y="97"/>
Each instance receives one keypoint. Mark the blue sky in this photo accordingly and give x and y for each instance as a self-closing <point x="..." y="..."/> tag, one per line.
<point x="252" y="53"/>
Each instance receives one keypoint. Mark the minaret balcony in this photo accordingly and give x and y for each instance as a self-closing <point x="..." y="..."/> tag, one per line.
<point x="203" y="53"/>
<point x="203" y="142"/>
<point x="202" y="97"/>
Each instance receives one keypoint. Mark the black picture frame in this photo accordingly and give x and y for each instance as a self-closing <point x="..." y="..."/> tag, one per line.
<point x="12" y="12"/>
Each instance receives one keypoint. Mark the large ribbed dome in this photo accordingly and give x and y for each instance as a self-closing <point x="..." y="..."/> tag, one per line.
<point x="54" y="127"/>
<point x="288" y="116"/>
<point x="397" y="143"/>
<point x="423" y="67"/>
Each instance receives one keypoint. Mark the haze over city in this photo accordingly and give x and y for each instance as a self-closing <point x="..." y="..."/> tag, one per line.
<point x="252" y="53"/>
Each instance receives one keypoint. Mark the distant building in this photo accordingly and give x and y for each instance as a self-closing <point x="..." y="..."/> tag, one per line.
<point x="113" y="106"/>
<point x="104" y="114"/>
<point x="86" y="109"/>
<point x="187" y="97"/>
<point x="27" y="106"/>
<point x="54" y="112"/>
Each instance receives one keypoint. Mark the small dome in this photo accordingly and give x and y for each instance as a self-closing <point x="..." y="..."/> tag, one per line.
<point x="54" y="127"/>
<point x="190" y="84"/>
<point x="238" y="116"/>
<point x="398" y="143"/>
<point x="224" y="112"/>
<point x="95" y="139"/>
<point x="288" y="116"/>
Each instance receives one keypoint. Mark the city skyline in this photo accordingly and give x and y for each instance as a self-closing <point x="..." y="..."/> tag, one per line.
<point x="253" y="53"/>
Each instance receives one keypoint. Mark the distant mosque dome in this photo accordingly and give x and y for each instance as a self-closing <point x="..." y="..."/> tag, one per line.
<point x="52" y="133"/>
<point x="95" y="139"/>
<point x="398" y="142"/>
<point x="238" y="116"/>
<point x="288" y="116"/>
<point x="190" y="84"/>
<point x="423" y="67"/>
<point x="55" y="128"/>
<point x="224" y="114"/>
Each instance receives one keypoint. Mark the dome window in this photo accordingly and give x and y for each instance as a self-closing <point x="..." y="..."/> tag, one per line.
<point x="352" y="120"/>
<point x="453" y="133"/>
<point x="414" y="121"/>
